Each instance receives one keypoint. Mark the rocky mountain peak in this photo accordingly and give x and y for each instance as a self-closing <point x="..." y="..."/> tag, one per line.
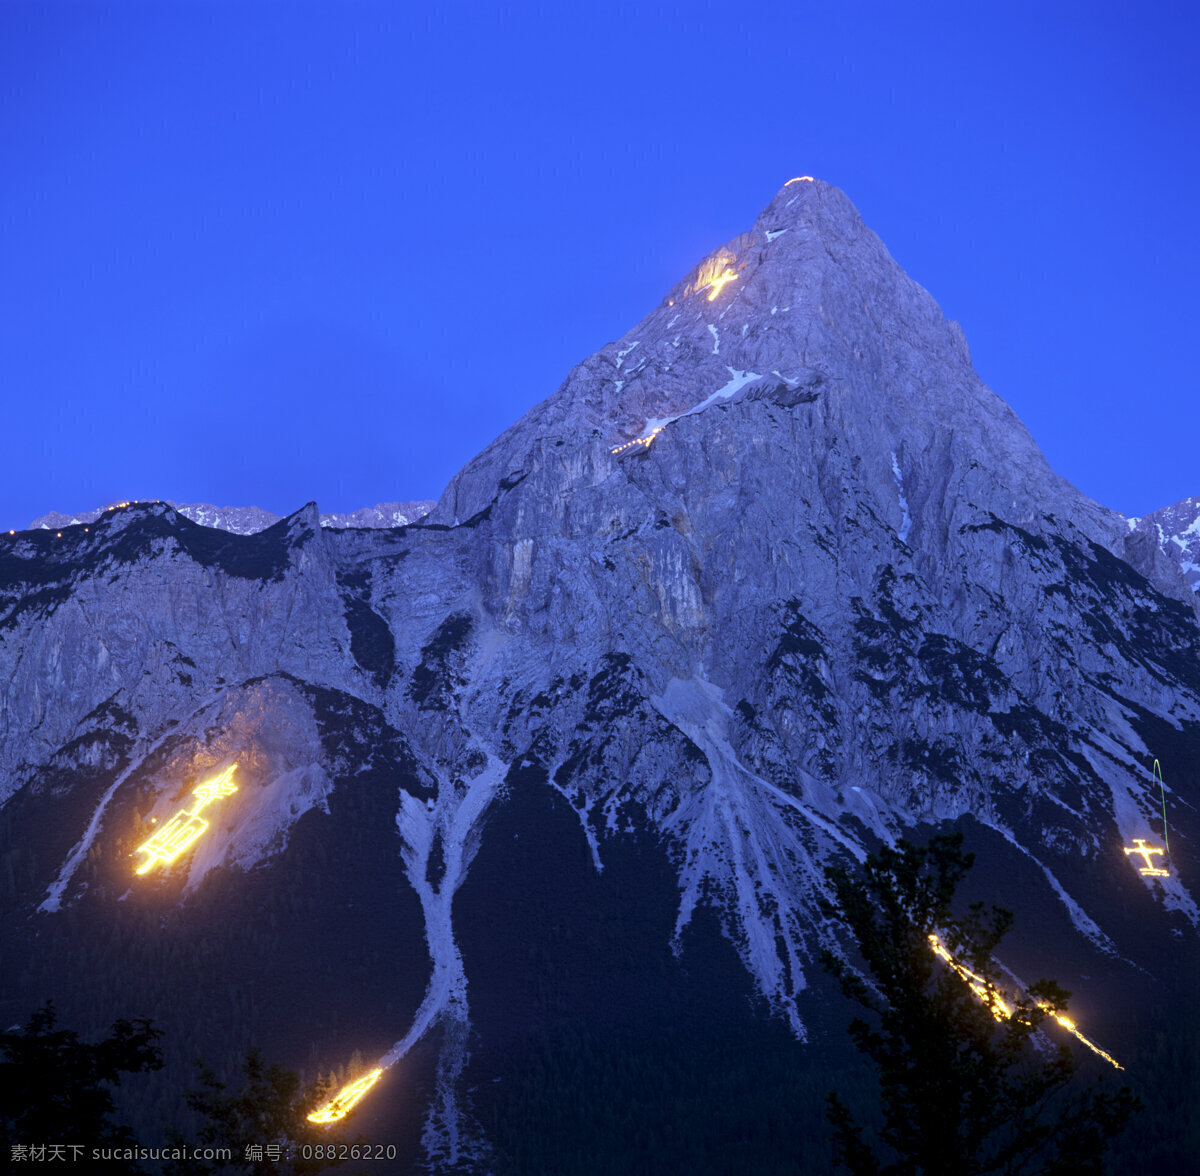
<point x="806" y="307"/>
<point x="770" y="580"/>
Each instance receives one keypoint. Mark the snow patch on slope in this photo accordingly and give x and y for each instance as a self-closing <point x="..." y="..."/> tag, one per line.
<point x="580" y="809"/>
<point x="454" y="818"/>
<point x="54" y="895"/>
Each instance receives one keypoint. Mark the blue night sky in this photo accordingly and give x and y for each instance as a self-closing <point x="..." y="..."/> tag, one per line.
<point x="261" y="253"/>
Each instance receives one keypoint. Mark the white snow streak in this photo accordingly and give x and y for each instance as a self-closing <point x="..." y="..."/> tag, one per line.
<point x="906" y="521"/>
<point x="53" y="899"/>
<point x="1082" y="921"/>
<point x="584" y="815"/>
<point x="736" y="384"/>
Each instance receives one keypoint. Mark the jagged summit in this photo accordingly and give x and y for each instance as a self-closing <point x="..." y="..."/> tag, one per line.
<point x="1175" y="532"/>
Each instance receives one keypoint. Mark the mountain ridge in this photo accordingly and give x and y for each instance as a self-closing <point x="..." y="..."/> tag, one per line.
<point x="837" y="597"/>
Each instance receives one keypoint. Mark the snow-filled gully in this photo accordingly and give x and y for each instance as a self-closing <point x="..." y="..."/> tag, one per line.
<point x="454" y="820"/>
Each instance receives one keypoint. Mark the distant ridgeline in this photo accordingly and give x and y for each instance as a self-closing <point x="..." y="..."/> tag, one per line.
<point x="248" y="520"/>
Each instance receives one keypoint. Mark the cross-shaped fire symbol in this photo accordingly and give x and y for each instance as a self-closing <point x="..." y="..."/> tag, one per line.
<point x="1150" y="870"/>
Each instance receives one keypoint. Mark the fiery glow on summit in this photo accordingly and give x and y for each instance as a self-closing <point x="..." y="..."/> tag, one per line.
<point x="344" y="1101"/>
<point x="715" y="274"/>
<point x="1001" y="1010"/>
<point x="720" y="282"/>
<point x="182" y="830"/>
<point x="798" y="180"/>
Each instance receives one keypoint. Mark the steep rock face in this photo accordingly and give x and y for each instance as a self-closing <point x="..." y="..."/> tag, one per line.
<point x="152" y="608"/>
<point x="770" y="579"/>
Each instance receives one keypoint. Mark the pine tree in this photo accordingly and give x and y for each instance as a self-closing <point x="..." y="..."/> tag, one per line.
<point x="58" y="1088"/>
<point x="966" y="1083"/>
<point x="269" y="1109"/>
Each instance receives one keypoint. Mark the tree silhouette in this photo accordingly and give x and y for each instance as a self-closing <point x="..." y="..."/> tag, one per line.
<point x="269" y="1109"/>
<point x="58" y="1088"/>
<point x="968" y="1084"/>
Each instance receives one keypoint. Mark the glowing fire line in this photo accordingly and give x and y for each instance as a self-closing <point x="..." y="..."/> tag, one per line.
<point x="1001" y="1010"/>
<point x="997" y="1005"/>
<point x="343" y="1102"/>
<point x="644" y="441"/>
<point x="182" y="830"/>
